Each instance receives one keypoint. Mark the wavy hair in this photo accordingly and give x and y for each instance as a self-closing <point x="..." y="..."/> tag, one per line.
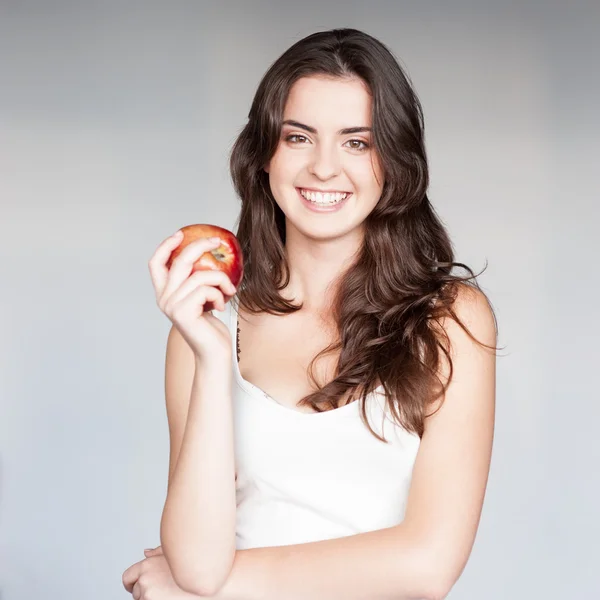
<point x="387" y="303"/>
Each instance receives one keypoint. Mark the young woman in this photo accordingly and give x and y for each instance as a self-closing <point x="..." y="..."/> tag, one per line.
<point x="331" y="421"/>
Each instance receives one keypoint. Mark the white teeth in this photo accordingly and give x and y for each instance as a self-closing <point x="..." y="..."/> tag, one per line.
<point x="327" y="198"/>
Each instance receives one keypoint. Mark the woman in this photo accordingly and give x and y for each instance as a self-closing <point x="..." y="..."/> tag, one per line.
<point x="347" y="270"/>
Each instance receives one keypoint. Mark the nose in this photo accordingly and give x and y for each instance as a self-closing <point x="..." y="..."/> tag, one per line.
<point x="325" y="162"/>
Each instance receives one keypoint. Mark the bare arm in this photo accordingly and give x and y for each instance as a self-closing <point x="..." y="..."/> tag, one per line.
<point x="197" y="527"/>
<point x="423" y="556"/>
<point x="180" y="367"/>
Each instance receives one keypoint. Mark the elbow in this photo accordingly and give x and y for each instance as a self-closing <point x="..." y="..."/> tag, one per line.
<point x="437" y="580"/>
<point x="436" y="593"/>
<point x="202" y="592"/>
<point x="193" y="575"/>
<point x="198" y="571"/>
<point x="198" y="584"/>
<point x="433" y="589"/>
<point x="192" y="587"/>
<point x="185" y="578"/>
<point x="432" y="579"/>
<point x="429" y="591"/>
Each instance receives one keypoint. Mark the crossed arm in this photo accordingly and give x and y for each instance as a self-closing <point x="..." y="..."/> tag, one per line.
<point x="387" y="564"/>
<point x="424" y="555"/>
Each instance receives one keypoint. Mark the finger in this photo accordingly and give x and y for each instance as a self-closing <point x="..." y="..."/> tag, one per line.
<point x="214" y="278"/>
<point x="182" y="266"/>
<point x="131" y="575"/>
<point x="190" y="307"/>
<point x="157" y="263"/>
<point x="136" y="591"/>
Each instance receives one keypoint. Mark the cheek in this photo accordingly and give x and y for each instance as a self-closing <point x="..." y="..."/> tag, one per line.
<point x="278" y="161"/>
<point x="285" y="166"/>
<point x="375" y="170"/>
<point x="366" y="178"/>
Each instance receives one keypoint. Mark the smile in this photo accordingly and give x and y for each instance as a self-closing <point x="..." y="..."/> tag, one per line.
<point x="323" y="198"/>
<point x="323" y="203"/>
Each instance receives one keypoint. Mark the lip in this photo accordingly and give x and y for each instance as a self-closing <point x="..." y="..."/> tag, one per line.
<point x="322" y="209"/>
<point x="324" y="191"/>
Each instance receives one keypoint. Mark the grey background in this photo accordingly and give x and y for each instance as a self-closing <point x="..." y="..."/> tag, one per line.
<point x="116" y="119"/>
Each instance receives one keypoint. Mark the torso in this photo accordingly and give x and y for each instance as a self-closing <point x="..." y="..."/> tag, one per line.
<point x="275" y="353"/>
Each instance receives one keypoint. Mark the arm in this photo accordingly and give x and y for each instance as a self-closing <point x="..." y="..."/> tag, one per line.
<point x="197" y="528"/>
<point x="424" y="555"/>
<point x="387" y="564"/>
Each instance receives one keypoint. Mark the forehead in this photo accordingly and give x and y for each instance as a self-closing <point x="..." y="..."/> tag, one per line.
<point x="329" y="104"/>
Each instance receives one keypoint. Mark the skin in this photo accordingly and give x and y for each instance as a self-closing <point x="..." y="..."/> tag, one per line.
<point x="320" y="246"/>
<point x="424" y="555"/>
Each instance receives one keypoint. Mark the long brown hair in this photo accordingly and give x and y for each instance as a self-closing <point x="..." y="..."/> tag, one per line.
<point x="388" y="301"/>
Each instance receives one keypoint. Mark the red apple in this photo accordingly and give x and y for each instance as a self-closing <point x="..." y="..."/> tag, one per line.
<point x="227" y="257"/>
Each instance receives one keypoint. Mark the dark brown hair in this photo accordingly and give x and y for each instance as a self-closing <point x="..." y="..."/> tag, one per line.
<point x="387" y="303"/>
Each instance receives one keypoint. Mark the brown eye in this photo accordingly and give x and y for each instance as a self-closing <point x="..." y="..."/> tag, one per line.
<point x="362" y="148"/>
<point x="294" y="135"/>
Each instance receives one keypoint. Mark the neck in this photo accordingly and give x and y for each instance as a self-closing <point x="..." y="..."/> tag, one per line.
<point x="315" y="267"/>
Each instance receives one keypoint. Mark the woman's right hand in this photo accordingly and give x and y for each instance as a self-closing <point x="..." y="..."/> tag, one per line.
<point x="181" y="296"/>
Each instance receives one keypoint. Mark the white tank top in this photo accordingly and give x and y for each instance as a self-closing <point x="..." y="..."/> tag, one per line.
<point x="304" y="477"/>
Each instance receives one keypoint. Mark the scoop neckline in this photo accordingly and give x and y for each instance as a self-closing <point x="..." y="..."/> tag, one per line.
<point x="261" y="395"/>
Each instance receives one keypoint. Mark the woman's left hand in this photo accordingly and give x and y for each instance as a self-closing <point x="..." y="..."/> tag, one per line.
<point x="151" y="579"/>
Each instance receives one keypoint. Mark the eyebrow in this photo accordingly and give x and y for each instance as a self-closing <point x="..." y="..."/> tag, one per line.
<point x="313" y="130"/>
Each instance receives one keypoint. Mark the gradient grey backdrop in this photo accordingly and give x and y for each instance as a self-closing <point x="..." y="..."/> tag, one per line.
<point x="116" y="119"/>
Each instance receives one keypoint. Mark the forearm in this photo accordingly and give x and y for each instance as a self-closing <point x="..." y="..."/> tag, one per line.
<point x="387" y="564"/>
<point x="197" y="528"/>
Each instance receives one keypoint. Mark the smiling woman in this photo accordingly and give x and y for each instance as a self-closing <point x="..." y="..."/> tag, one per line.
<point x="349" y="315"/>
<point x="331" y="167"/>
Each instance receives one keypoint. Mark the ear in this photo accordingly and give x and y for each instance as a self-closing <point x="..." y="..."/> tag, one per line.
<point x="267" y="167"/>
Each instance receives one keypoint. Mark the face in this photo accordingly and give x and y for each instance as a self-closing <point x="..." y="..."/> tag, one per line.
<point x="314" y="154"/>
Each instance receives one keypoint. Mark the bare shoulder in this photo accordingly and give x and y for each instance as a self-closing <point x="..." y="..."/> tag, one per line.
<point x="475" y="313"/>
<point x="474" y="310"/>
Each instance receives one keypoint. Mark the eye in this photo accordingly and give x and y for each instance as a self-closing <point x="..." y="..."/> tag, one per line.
<point x="362" y="148"/>
<point x="296" y="138"/>
<point x="294" y="135"/>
